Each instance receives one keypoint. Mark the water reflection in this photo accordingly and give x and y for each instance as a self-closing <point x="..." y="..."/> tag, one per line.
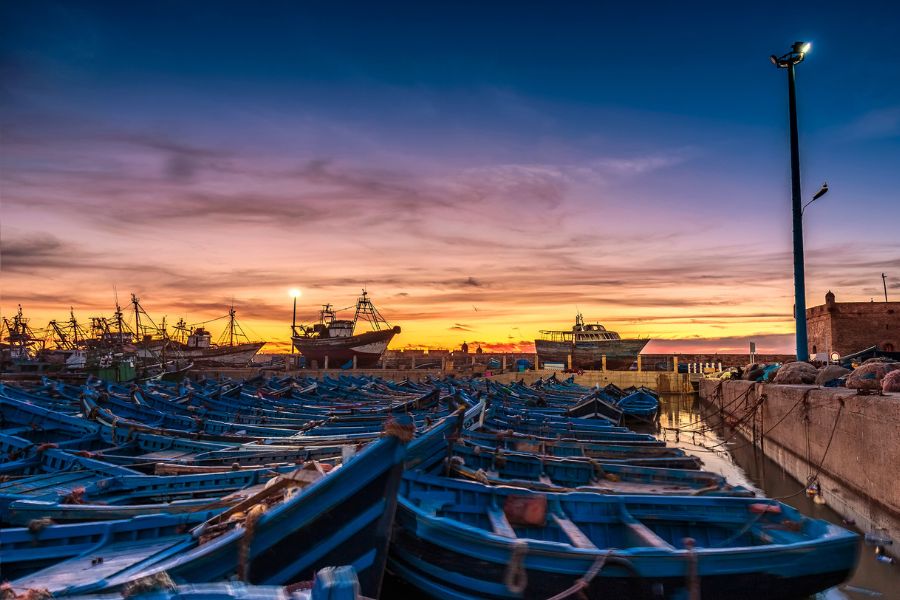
<point x="684" y="423"/>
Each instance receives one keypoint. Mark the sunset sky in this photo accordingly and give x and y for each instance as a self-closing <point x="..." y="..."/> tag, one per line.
<point x="483" y="171"/>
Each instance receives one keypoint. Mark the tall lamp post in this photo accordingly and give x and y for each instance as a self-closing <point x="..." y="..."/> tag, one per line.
<point x="788" y="61"/>
<point x="295" y="293"/>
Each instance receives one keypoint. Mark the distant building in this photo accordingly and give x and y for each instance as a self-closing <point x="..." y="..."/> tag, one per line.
<point x="848" y="327"/>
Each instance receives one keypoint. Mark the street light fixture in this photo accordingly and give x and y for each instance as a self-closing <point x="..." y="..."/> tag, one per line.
<point x="822" y="191"/>
<point x="294" y="293"/>
<point x="788" y="61"/>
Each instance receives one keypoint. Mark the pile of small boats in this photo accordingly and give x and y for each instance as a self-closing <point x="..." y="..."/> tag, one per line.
<point x="460" y="488"/>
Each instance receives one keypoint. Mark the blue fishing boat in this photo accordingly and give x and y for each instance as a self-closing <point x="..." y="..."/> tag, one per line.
<point x="560" y="474"/>
<point x="640" y="405"/>
<point x="657" y="455"/>
<point x="128" y="495"/>
<point x="467" y="540"/>
<point x="597" y="407"/>
<point x="280" y="543"/>
<point x="43" y="543"/>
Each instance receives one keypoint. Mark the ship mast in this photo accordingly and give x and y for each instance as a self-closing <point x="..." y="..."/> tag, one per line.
<point x="120" y="321"/>
<point x="62" y="340"/>
<point x="74" y="325"/>
<point x="137" y="317"/>
<point x="19" y="334"/>
<point x="231" y="325"/>
<point x="367" y="310"/>
<point x="233" y="331"/>
<point x="182" y="329"/>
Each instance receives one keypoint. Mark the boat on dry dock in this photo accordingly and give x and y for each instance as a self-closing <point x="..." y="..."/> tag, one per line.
<point x="334" y="341"/>
<point x="233" y="349"/>
<point x="587" y="344"/>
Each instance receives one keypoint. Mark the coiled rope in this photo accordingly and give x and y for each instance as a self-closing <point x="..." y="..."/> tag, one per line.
<point x="516" y="578"/>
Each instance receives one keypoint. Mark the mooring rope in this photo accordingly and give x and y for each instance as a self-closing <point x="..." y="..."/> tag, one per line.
<point x="516" y="578"/>
<point x="585" y="580"/>
<point x="815" y="476"/>
<point x="706" y="428"/>
<point x="693" y="577"/>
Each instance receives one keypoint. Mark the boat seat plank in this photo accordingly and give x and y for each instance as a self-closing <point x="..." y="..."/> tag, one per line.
<point x="116" y="557"/>
<point x="167" y="455"/>
<point x="500" y="524"/>
<point x="575" y="535"/>
<point x="646" y="535"/>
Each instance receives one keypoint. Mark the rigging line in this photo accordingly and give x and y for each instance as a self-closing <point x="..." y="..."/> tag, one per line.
<point x="712" y="428"/>
<point x="256" y="336"/>
<point x="209" y="321"/>
<point x="706" y="428"/>
<point x="766" y="432"/>
<point x="750" y="413"/>
<point x="811" y="478"/>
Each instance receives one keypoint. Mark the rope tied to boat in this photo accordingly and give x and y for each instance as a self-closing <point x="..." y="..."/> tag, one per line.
<point x="585" y="580"/>
<point x="35" y="526"/>
<point x="693" y="579"/>
<point x="253" y="515"/>
<point x="75" y="496"/>
<point x="516" y="578"/>
<point x="45" y="446"/>
<point x="813" y="478"/>
<point x="8" y="593"/>
<point x="404" y="433"/>
<point x="158" y="582"/>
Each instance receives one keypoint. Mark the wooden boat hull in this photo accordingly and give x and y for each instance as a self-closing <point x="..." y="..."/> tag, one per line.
<point x="445" y="557"/>
<point x="620" y="354"/>
<point x="238" y="355"/>
<point x="542" y="472"/>
<point x="367" y="348"/>
<point x="342" y="519"/>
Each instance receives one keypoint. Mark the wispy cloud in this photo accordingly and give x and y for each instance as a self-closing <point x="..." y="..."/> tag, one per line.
<point x="877" y="123"/>
<point x="189" y="221"/>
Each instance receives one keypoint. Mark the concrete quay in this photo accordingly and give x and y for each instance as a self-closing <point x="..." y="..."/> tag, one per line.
<point x="660" y="381"/>
<point x="665" y="382"/>
<point x="851" y="441"/>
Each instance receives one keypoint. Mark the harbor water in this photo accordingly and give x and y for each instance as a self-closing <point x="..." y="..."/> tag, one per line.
<point x="685" y="423"/>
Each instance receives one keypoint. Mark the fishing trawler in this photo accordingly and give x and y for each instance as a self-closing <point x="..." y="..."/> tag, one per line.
<point x="234" y="348"/>
<point x="332" y="342"/>
<point x="20" y="346"/>
<point x="193" y="343"/>
<point x="587" y="344"/>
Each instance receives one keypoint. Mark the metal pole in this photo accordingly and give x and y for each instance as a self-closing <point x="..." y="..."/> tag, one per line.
<point x="799" y="278"/>
<point x="884" y="283"/>
<point x="294" y="325"/>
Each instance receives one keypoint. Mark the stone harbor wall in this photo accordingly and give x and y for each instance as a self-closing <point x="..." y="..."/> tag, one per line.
<point x="794" y="424"/>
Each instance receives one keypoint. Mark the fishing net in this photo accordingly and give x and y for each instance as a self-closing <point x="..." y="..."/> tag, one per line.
<point x="769" y="372"/>
<point x="829" y="373"/>
<point x="794" y="373"/>
<point x="868" y="376"/>
<point x="753" y="372"/>
<point x="891" y="382"/>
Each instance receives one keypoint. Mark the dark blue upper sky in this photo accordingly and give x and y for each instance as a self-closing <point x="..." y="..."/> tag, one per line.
<point x="688" y="57"/>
